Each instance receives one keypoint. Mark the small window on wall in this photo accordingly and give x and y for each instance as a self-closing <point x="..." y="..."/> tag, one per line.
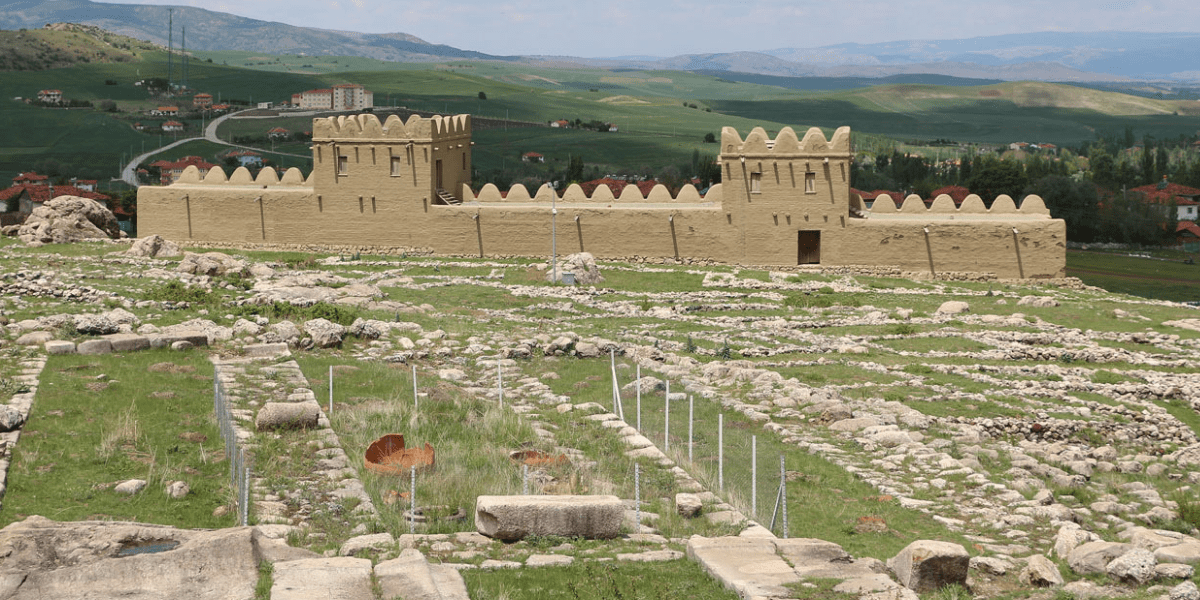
<point x="810" y="183"/>
<point x="343" y="165"/>
<point x="395" y="166"/>
<point x="755" y="183"/>
<point x="464" y="161"/>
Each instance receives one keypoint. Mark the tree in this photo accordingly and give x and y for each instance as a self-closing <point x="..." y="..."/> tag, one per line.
<point x="574" y="172"/>
<point x="994" y="177"/>
<point x="710" y="138"/>
<point x="708" y="171"/>
<point x="1075" y="202"/>
<point x="482" y="96"/>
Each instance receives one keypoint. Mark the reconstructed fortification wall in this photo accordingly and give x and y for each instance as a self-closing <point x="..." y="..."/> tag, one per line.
<point x="784" y="201"/>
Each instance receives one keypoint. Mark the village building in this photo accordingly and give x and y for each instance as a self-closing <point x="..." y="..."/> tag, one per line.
<point x="346" y="96"/>
<point x="202" y="101"/>
<point x="246" y="158"/>
<point x="30" y="190"/>
<point x="165" y="111"/>
<point x="170" y="171"/>
<point x="533" y="157"/>
<point x="50" y="96"/>
<point x="172" y="126"/>
<point x="783" y="201"/>
<point x="1164" y="193"/>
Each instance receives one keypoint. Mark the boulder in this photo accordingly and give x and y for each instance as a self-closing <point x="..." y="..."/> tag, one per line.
<point x="582" y="265"/>
<point x="287" y="415"/>
<point x="324" y="333"/>
<point x="92" y="347"/>
<point x="517" y="517"/>
<point x="210" y="263"/>
<point x="89" y="324"/>
<point x="369" y="329"/>
<point x="68" y="219"/>
<point x="154" y="246"/>
<point x="1038" y="301"/>
<point x="688" y="505"/>
<point x="1040" y="571"/>
<point x="1135" y="566"/>
<point x="1070" y="537"/>
<point x="178" y="489"/>
<point x="10" y="418"/>
<point x="108" y="559"/>
<point x="1093" y="557"/>
<point x="1184" y="591"/>
<point x="411" y="577"/>
<point x="35" y="338"/>
<point x="130" y="487"/>
<point x="953" y="307"/>
<point x="928" y="565"/>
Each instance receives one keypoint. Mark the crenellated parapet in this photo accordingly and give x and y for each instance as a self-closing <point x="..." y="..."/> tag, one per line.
<point x="1031" y="206"/>
<point x="366" y="127"/>
<point x="603" y="194"/>
<point x="786" y="144"/>
<point x="267" y="177"/>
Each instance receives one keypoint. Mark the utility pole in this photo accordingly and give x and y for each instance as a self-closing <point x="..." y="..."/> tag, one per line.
<point x="170" y="44"/>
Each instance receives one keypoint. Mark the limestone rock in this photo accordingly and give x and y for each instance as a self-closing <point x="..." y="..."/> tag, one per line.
<point x="68" y="219"/>
<point x="928" y="565"/>
<point x="343" y="578"/>
<point x="1186" y="553"/>
<point x="953" y="307"/>
<point x="10" y="418"/>
<point x="1070" y="537"/>
<point x="410" y="576"/>
<point x="364" y="545"/>
<point x="325" y="333"/>
<point x="582" y="265"/>
<point x="1040" y="571"/>
<point x="287" y="415"/>
<point x="1135" y="566"/>
<point x="1184" y="591"/>
<point x="1038" y="301"/>
<point x="516" y="517"/>
<point x="89" y="324"/>
<point x="130" y="487"/>
<point x="1093" y="557"/>
<point x="210" y="263"/>
<point x="178" y="489"/>
<point x="154" y="246"/>
<point x="688" y="505"/>
<point x="103" y="559"/>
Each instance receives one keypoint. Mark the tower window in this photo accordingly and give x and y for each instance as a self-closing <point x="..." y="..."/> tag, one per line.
<point x="755" y="183"/>
<point x="343" y="165"/>
<point x="810" y="183"/>
<point x="395" y="166"/>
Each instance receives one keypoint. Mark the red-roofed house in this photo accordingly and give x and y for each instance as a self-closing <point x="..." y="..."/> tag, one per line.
<point x="1187" y="234"/>
<point x="345" y="96"/>
<point x="220" y="107"/>
<point x="246" y="158"/>
<point x="957" y="193"/>
<point x="202" y="100"/>
<point x="1187" y="199"/>
<point x="30" y="178"/>
<point x="84" y="184"/>
<point x="165" y="111"/>
<point x="533" y="157"/>
<point x="50" y="96"/>
<point x="279" y="133"/>
<point x="172" y="126"/>
<point x="25" y="196"/>
<point x="561" y="123"/>
<point x="172" y="170"/>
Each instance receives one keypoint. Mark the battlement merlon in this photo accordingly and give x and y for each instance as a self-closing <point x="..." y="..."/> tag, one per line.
<point x="367" y="128"/>
<point x="758" y="144"/>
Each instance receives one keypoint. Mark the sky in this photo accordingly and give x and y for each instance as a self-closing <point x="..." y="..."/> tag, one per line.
<point x="607" y="28"/>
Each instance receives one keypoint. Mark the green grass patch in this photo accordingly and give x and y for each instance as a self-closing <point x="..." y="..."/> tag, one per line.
<point x="100" y="420"/>
<point x="671" y="580"/>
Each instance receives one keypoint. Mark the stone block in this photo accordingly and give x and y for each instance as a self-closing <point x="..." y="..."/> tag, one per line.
<point x="929" y="565"/>
<point x="92" y="347"/>
<point x="60" y="347"/>
<point x="287" y="415"/>
<point x="342" y="578"/>
<point x="1093" y="557"/>
<point x="411" y="577"/>
<point x="517" y="517"/>
<point x="127" y="342"/>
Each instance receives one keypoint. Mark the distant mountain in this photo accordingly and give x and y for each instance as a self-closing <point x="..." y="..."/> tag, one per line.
<point x="1113" y="54"/>
<point x="209" y="30"/>
<point x="1105" y="57"/>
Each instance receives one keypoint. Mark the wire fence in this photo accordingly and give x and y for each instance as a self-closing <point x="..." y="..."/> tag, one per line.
<point x="239" y="462"/>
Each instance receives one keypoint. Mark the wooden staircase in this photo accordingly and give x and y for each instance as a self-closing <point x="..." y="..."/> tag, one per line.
<point x="447" y="198"/>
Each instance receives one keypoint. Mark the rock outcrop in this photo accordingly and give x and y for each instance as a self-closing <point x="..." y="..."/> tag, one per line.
<point x="68" y="219"/>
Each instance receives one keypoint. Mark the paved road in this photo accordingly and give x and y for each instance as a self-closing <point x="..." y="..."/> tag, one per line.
<point x="129" y="173"/>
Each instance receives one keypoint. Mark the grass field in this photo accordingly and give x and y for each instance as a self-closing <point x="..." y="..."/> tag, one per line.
<point x="1158" y="278"/>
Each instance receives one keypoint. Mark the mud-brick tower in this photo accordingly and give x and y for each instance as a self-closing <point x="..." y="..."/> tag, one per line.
<point x="782" y="194"/>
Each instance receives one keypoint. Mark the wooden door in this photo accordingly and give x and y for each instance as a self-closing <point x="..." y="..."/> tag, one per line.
<point x="809" y="243"/>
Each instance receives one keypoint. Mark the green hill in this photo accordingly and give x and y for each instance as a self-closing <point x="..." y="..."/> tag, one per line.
<point x="65" y="44"/>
